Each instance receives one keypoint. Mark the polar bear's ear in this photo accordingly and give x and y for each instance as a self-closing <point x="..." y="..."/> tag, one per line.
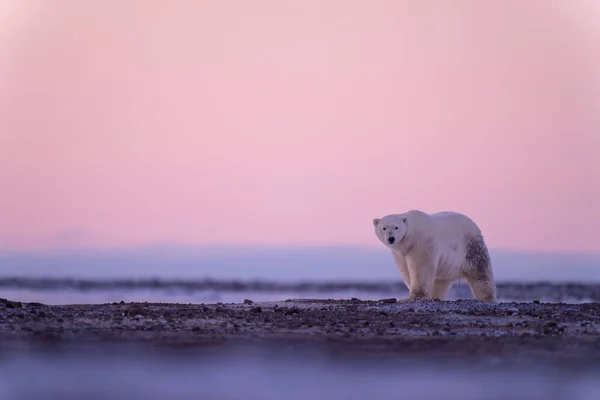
<point x="375" y="221"/>
<point x="404" y="219"/>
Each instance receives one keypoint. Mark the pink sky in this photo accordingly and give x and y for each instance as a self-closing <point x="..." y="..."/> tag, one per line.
<point x="297" y="122"/>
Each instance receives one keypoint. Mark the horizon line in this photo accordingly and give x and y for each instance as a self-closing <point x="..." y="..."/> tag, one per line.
<point x="222" y="247"/>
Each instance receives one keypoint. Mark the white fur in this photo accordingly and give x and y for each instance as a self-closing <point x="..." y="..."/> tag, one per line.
<point x="430" y="251"/>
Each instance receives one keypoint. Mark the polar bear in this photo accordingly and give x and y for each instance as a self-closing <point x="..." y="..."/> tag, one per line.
<point x="433" y="250"/>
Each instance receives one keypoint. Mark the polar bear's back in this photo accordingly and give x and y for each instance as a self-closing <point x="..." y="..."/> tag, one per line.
<point x="445" y="222"/>
<point x="449" y="222"/>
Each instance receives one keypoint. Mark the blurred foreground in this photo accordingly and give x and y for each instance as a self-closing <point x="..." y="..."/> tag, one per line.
<point x="283" y="372"/>
<point x="300" y="349"/>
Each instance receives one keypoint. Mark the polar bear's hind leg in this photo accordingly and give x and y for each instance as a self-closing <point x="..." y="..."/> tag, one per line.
<point x="478" y="270"/>
<point x="440" y="288"/>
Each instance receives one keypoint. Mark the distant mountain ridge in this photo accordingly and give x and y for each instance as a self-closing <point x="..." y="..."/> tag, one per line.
<point x="289" y="263"/>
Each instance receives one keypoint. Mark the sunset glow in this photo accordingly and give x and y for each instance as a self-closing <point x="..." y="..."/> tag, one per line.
<point x="297" y="122"/>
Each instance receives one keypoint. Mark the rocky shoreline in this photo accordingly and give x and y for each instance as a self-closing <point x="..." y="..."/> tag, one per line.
<point x="511" y="291"/>
<point x="461" y="328"/>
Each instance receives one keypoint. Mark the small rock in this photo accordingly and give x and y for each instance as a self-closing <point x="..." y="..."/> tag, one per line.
<point x="290" y="311"/>
<point x="256" y="310"/>
<point x="135" y="311"/>
<point x="247" y="301"/>
<point x="388" y="301"/>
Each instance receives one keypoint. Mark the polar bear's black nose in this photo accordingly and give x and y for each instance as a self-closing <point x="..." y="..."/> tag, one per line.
<point x="391" y="240"/>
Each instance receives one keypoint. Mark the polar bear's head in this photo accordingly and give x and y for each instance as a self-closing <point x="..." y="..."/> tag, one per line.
<point x="390" y="229"/>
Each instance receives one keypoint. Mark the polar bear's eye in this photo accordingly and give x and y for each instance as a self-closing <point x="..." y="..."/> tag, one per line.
<point x="396" y="228"/>
<point x="384" y="229"/>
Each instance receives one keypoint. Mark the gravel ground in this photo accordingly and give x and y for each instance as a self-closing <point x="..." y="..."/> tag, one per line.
<point x="462" y="327"/>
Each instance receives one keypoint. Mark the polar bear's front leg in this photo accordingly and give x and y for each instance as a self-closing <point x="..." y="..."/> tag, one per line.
<point x="422" y="267"/>
<point x="402" y="267"/>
